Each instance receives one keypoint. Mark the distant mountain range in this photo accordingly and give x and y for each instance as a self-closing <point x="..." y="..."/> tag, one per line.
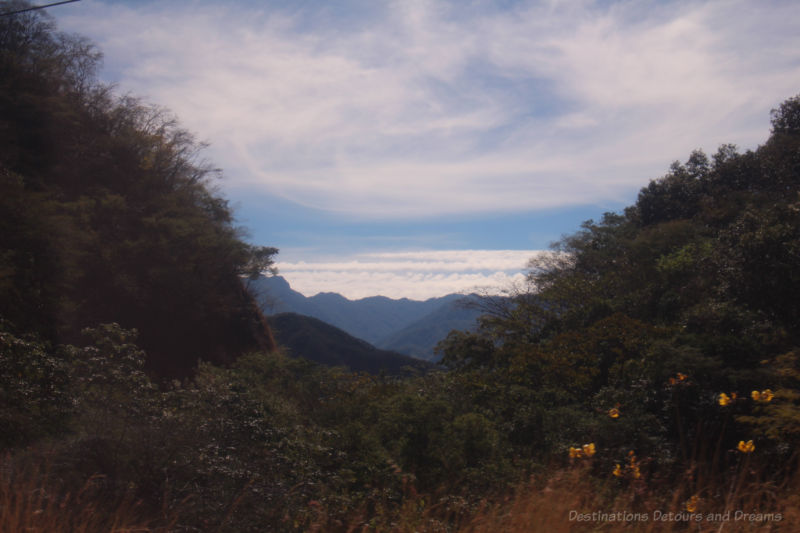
<point x="313" y="339"/>
<point x="406" y="326"/>
<point x="419" y="338"/>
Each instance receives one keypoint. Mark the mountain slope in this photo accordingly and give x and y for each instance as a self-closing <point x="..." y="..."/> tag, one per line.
<point x="421" y="337"/>
<point x="372" y="319"/>
<point x="108" y="213"/>
<point x="315" y="340"/>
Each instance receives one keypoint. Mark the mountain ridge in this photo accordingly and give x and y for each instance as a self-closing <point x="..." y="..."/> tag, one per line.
<point x="419" y="338"/>
<point x="379" y="320"/>
<point x="315" y="340"/>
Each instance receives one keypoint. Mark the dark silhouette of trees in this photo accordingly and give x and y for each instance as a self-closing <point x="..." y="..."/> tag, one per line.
<point x="109" y="213"/>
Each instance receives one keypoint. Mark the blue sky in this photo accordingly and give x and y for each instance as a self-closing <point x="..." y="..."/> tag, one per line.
<point x="414" y="148"/>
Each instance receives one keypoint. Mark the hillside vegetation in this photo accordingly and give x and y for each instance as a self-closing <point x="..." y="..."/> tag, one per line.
<point x="652" y="366"/>
<point x="409" y="326"/>
<point x="315" y="340"/>
<point x="109" y="213"/>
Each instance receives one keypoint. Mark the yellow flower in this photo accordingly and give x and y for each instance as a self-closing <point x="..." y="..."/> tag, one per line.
<point x="680" y="376"/>
<point x="588" y="449"/>
<point x="617" y="471"/>
<point x="633" y="466"/>
<point x="746" y="447"/>
<point x="724" y="399"/>
<point x="613" y="413"/>
<point x="764" y="396"/>
<point x="575" y="452"/>
<point x="691" y="503"/>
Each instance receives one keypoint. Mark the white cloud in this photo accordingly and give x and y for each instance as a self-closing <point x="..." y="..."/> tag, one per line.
<point x="417" y="275"/>
<point x="435" y="107"/>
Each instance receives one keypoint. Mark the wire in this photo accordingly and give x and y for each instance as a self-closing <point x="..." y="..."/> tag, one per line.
<point x="36" y="7"/>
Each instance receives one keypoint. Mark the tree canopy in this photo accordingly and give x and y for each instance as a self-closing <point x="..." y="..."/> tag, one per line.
<point x="698" y="278"/>
<point x="653" y="360"/>
<point x="109" y="212"/>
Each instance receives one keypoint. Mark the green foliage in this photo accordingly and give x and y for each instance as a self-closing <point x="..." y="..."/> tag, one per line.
<point x="628" y="334"/>
<point x="466" y="351"/>
<point x="260" y="260"/>
<point x="110" y="369"/>
<point x="786" y="119"/>
<point x="34" y="396"/>
<point x="109" y="213"/>
<point x="313" y="339"/>
<point x="779" y="419"/>
<point x="697" y="279"/>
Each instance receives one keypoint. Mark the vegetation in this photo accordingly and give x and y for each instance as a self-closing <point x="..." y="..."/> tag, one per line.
<point x="108" y="212"/>
<point x="315" y="340"/>
<point x="407" y="326"/>
<point x="653" y="364"/>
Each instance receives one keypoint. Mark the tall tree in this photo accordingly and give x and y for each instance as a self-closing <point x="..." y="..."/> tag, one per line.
<point x="110" y="214"/>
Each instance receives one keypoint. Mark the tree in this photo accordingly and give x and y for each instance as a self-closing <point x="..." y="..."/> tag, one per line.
<point x="786" y="118"/>
<point x="111" y="213"/>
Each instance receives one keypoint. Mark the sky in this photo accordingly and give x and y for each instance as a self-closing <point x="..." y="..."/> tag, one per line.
<point x="416" y="148"/>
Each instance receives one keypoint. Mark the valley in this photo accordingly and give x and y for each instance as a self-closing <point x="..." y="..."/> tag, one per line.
<point x="409" y="327"/>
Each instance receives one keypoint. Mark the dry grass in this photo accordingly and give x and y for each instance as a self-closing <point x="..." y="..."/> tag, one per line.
<point x="572" y="501"/>
<point x="563" y="500"/>
<point x="30" y="503"/>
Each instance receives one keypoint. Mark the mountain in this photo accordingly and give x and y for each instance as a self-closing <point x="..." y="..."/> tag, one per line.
<point x="378" y="320"/>
<point x="315" y="340"/>
<point x="419" y="338"/>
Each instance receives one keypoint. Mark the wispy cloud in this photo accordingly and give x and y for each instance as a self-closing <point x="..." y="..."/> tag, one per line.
<point x="416" y="275"/>
<point x="418" y="108"/>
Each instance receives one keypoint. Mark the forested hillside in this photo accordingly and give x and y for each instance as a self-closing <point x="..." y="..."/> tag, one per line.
<point x="420" y="338"/>
<point x="410" y="327"/>
<point x="109" y="212"/>
<point x="660" y="329"/>
<point x="315" y="340"/>
<point x="651" y="366"/>
<point x="374" y="319"/>
<point x="698" y="278"/>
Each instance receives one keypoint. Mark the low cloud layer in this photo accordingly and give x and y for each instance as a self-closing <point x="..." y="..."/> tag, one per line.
<point x="420" y="108"/>
<point x="414" y="275"/>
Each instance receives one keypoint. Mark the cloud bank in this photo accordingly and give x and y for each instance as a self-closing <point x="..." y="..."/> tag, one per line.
<point x="416" y="275"/>
<point x="412" y="109"/>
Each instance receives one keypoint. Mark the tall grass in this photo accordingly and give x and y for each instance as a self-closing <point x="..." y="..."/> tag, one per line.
<point x="572" y="500"/>
<point x="576" y="499"/>
<point x="740" y="497"/>
<point x="30" y="501"/>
